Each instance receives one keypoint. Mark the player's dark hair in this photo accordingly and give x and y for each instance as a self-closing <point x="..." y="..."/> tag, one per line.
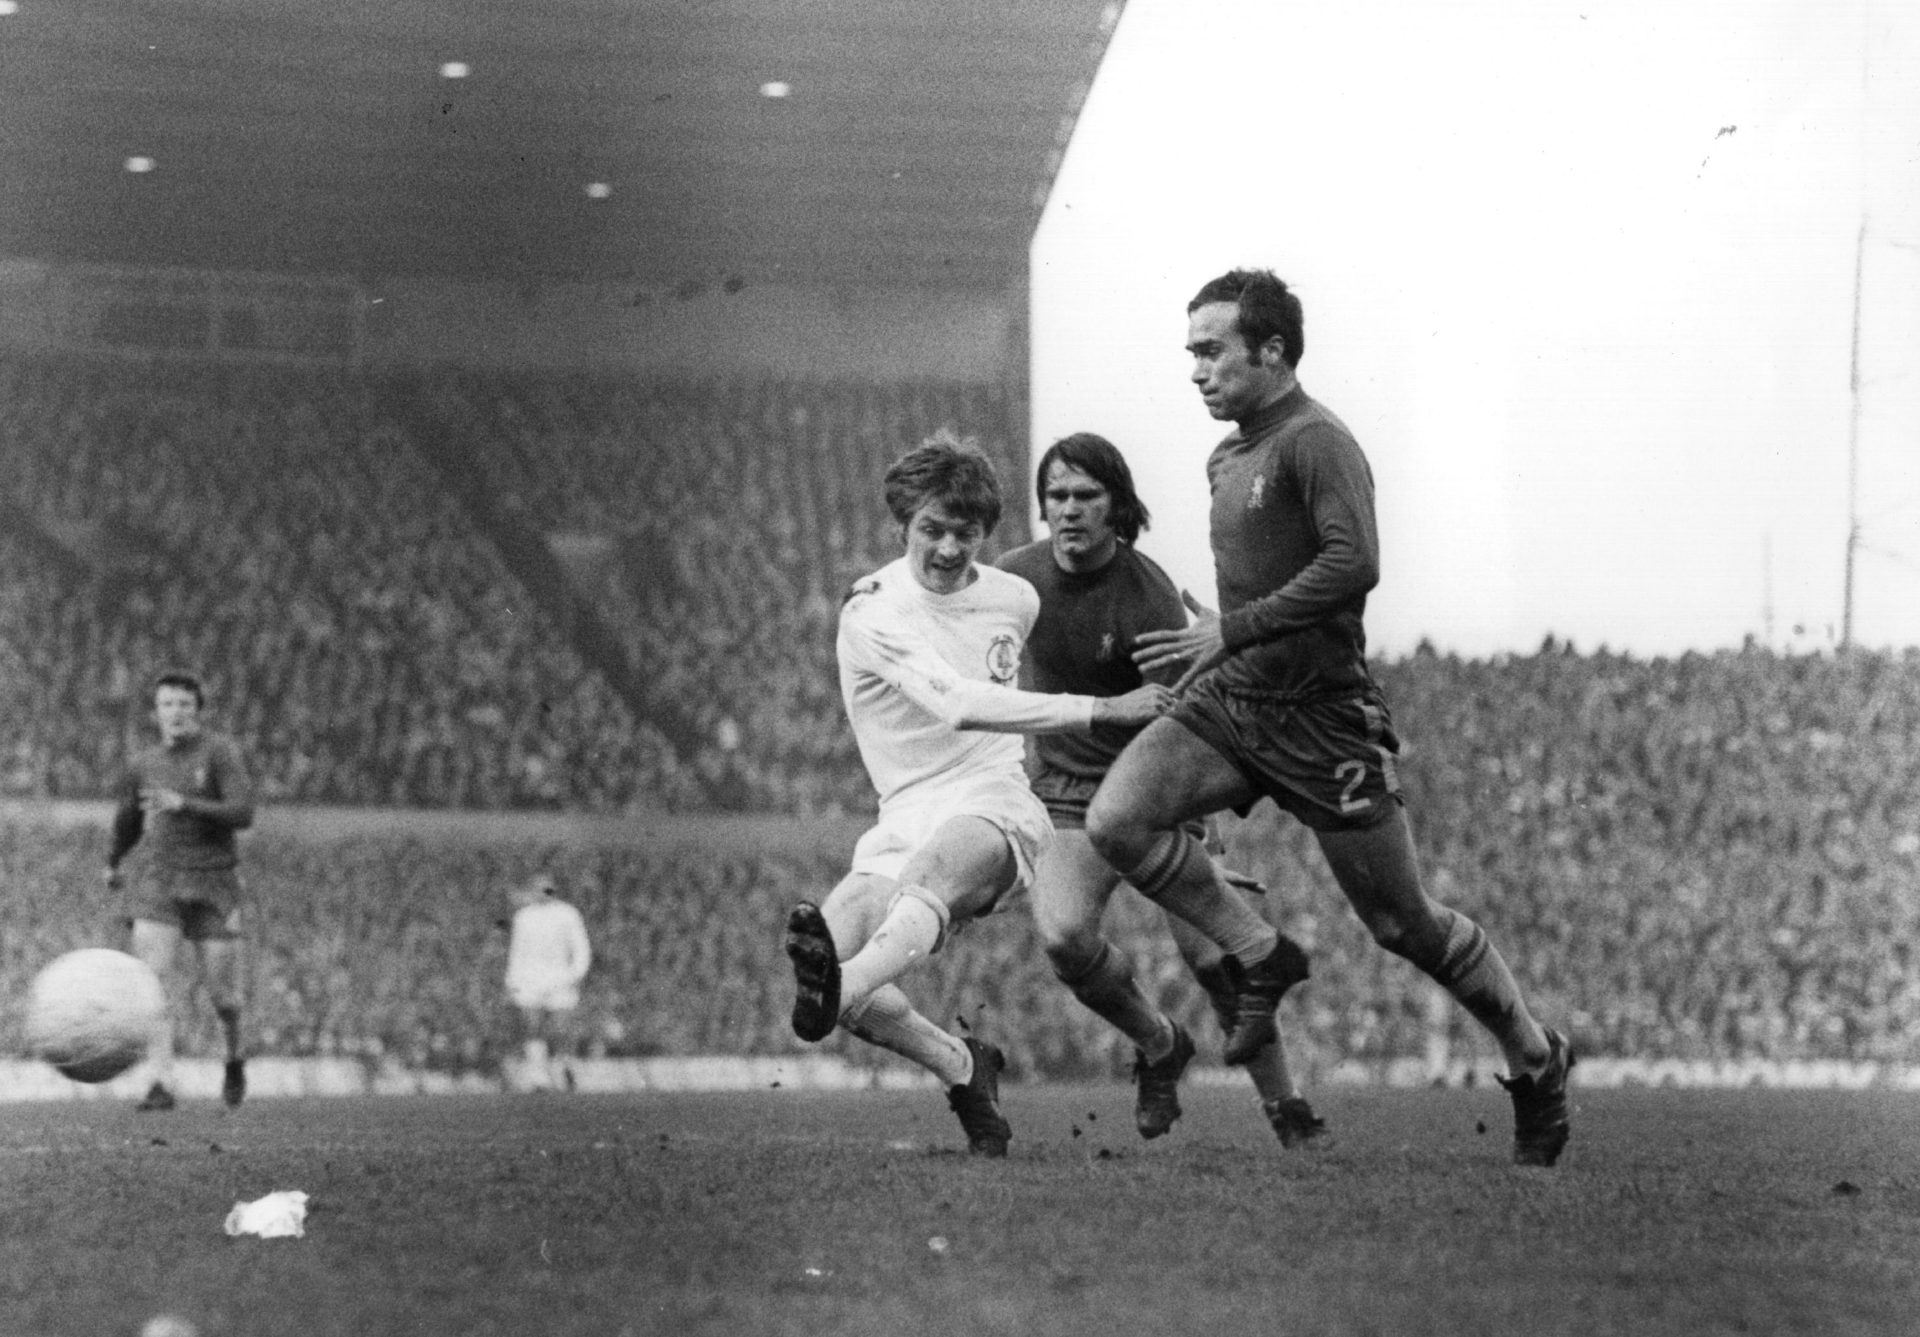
<point x="1100" y="460"/>
<point x="948" y="470"/>
<point x="1268" y="308"/>
<point x="186" y="682"/>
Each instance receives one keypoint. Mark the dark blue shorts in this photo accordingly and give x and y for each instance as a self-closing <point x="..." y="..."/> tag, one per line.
<point x="203" y="903"/>
<point x="1333" y="763"/>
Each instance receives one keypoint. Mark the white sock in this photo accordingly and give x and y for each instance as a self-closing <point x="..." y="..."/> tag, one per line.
<point x="909" y="934"/>
<point x="885" y="1018"/>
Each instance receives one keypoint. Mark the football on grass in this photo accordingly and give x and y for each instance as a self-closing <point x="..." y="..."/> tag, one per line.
<point x="90" y="1013"/>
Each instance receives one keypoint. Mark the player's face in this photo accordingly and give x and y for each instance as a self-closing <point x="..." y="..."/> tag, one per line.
<point x="176" y="712"/>
<point x="1234" y="381"/>
<point x="941" y="547"/>
<point x="1078" y="510"/>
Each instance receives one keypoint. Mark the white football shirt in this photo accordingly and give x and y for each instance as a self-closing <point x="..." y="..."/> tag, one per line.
<point x="547" y="946"/>
<point x="927" y="677"/>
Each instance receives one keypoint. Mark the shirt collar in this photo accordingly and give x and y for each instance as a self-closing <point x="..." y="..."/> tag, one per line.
<point x="1273" y="412"/>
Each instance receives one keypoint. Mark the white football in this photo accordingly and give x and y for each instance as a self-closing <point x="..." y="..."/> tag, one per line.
<point x="91" y="1013"/>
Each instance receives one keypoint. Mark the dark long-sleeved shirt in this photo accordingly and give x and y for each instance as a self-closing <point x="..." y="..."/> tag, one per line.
<point x="210" y="772"/>
<point x="1083" y="641"/>
<point x="1295" y="551"/>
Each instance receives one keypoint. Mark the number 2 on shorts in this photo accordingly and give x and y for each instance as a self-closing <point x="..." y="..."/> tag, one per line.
<point x="1354" y="773"/>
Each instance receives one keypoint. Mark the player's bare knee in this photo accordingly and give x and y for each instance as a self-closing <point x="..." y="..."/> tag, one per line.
<point x="1386" y="930"/>
<point x="154" y="945"/>
<point x="1071" y="954"/>
<point x="854" y="909"/>
<point x="1115" y="835"/>
<point x="1421" y="943"/>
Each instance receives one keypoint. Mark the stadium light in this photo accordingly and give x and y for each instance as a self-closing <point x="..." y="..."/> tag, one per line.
<point x="455" y="69"/>
<point x="139" y="165"/>
<point x="776" y="88"/>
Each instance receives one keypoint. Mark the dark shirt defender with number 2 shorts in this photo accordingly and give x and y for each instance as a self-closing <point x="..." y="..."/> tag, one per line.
<point x="1295" y="550"/>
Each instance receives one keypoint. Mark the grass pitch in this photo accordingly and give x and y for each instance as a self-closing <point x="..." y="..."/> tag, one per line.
<point x="782" y="1212"/>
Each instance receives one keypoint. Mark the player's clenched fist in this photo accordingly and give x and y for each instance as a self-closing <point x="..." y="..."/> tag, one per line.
<point x="1142" y="704"/>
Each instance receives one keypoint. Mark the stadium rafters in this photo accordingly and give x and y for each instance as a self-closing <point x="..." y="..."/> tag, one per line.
<point x="902" y="143"/>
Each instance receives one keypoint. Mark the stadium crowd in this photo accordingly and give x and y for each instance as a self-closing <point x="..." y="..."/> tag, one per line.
<point x="283" y="531"/>
<point x="262" y="526"/>
<point x="722" y="563"/>
<point x="1704" y="858"/>
<point x="1712" y="856"/>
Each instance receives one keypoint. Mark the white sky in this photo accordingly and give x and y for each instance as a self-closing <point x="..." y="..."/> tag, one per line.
<point x="1594" y="342"/>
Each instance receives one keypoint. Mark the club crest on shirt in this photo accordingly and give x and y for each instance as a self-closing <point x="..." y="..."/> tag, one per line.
<point x="202" y="777"/>
<point x="1257" y="494"/>
<point x="1105" y="653"/>
<point x="1003" y="660"/>
<point x="868" y="586"/>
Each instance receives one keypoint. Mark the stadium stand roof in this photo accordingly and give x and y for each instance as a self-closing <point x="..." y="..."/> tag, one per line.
<point x="914" y="145"/>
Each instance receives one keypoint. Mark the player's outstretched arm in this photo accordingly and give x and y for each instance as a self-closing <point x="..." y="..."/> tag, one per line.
<point x="989" y="708"/>
<point x="911" y="666"/>
<point x="1142" y="705"/>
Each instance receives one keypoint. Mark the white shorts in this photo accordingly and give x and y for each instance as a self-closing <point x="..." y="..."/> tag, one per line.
<point x="549" y="996"/>
<point x="903" y="828"/>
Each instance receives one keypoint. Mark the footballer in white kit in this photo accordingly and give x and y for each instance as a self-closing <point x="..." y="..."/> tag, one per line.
<point x="927" y="681"/>
<point x="929" y="646"/>
<point x="548" y="956"/>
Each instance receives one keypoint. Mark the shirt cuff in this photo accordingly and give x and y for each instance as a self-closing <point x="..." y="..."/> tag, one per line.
<point x="1237" y="629"/>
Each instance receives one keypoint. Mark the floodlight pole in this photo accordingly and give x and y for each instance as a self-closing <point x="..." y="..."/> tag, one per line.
<point x="1853" y="368"/>
<point x="1853" y="446"/>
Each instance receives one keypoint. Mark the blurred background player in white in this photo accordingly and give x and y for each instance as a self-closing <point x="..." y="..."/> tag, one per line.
<point x="189" y="796"/>
<point x="548" y="956"/>
<point x="1097" y="593"/>
<point x="929" y="647"/>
